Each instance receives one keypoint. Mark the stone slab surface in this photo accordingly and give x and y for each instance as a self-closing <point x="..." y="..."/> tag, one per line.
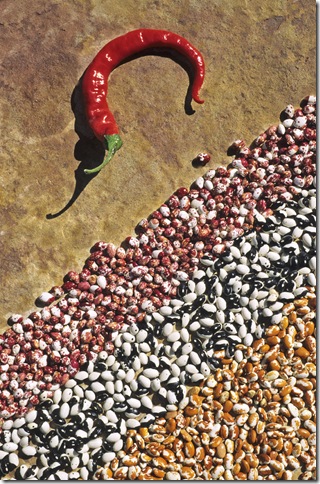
<point x="259" y="57"/>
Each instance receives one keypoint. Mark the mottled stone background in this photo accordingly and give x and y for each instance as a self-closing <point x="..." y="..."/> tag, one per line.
<point x="259" y="57"/>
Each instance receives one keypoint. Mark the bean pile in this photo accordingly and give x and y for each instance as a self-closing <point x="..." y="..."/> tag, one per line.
<point x="233" y="425"/>
<point x="190" y="354"/>
<point x="254" y="419"/>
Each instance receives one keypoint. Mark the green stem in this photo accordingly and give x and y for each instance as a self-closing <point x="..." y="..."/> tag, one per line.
<point x="114" y="143"/>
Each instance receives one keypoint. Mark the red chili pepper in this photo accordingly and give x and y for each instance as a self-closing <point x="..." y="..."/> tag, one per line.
<point x="95" y="79"/>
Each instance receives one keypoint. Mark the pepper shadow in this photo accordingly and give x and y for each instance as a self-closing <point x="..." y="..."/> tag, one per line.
<point x="179" y="59"/>
<point x="89" y="151"/>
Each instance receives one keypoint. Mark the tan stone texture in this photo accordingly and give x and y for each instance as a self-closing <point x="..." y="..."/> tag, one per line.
<point x="260" y="56"/>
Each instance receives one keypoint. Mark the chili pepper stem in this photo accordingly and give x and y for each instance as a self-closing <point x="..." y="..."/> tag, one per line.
<point x="114" y="143"/>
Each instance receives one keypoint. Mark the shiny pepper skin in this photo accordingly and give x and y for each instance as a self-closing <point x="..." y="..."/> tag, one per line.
<point x="95" y="79"/>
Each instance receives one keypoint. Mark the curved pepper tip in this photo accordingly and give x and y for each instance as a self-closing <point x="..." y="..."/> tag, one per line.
<point x="198" y="100"/>
<point x="114" y="143"/>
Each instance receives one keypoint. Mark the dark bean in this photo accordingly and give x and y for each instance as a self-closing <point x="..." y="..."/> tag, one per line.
<point x="218" y="264"/>
<point x="229" y="276"/>
<point x="73" y="401"/>
<point x="226" y="254"/>
<point x="188" y="380"/>
<point x="66" y="430"/>
<point x="211" y="282"/>
<point x="92" y="413"/>
<point x="133" y="412"/>
<point x="97" y="458"/>
<point x="249" y="277"/>
<point x="53" y="457"/>
<point x="197" y="343"/>
<point x="173" y="385"/>
<point x="286" y="271"/>
<point x="288" y="249"/>
<point x="6" y="466"/>
<point x="268" y="226"/>
<point x="179" y="393"/>
<point x="63" y="446"/>
<point x="189" y="308"/>
<point x="161" y="351"/>
<point x="101" y="396"/>
<point x="163" y="364"/>
<point x="78" y="419"/>
<point x="292" y="204"/>
<point x="141" y="391"/>
<point x="231" y="349"/>
<point x="55" y="413"/>
<point x="218" y="335"/>
<point x="48" y="473"/>
<point x="302" y="221"/>
<point x="212" y="297"/>
<point x="49" y="435"/>
<point x="182" y="289"/>
<point x="312" y="219"/>
<point x="96" y="407"/>
<point x="303" y="259"/>
<point x="278" y="204"/>
<point x="150" y="340"/>
<point x="158" y="330"/>
<point x="100" y="366"/>
<point x="200" y="313"/>
<point x="65" y="460"/>
<point x="31" y="472"/>
<point x="96" y="432"/>
<point x="45" y="404"/>
<point x="294" y="262"/>
<point x="59" y="421"/>
<point x="257" y="284"/>
<point x="43" y="415"/>
<point x="214" y="363"/>
<point x="287" y="239"/>
<point x="202" y="355"/>
<point x="252" y="255"/>
<point x="109" y="429"/>
<point x="73" y="442"/>
<point x="229" y="328"/>
<point x="120" y="406"/>
<point x="233" y="301"/>
<point x="38" y="435"/>
<point x="279" y="264"/>
<point x="227" y="290"/>
<point x="271" y="282"/>
<point x="264" y="321"/>
<point x="289" y="286"/>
